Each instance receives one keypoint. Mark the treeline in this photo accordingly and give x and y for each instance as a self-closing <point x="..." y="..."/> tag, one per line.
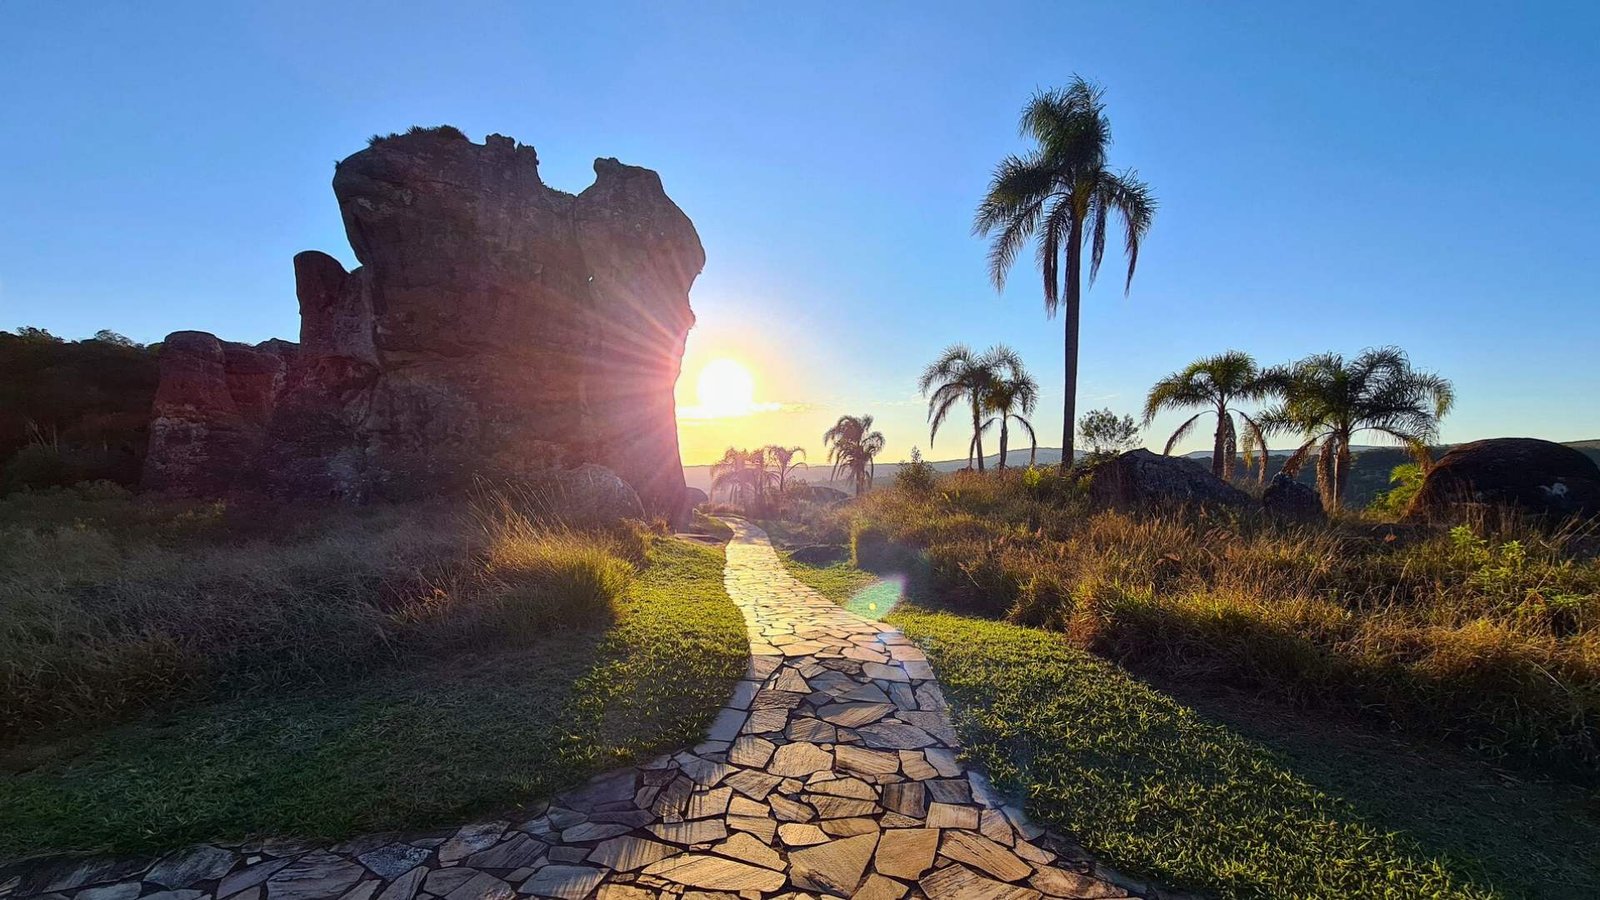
<point x="73" y="411"/>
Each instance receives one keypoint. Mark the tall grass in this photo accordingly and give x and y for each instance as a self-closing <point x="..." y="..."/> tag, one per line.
<point x="124" y="607"/>
<point x="1487" y="634"/>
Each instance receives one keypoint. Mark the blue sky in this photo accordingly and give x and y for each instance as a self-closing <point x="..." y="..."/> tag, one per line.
<point x="1344" y="176"/>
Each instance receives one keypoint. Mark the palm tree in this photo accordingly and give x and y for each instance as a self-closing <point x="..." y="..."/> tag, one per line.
<point x="958" y="375"/>
<point x="1011" y="396"/>
<point x="731" y="473"/>
<point x="852" y="447"/>
<point x="1063" y="193"/>
<point x="1216" y="383"/>
<point x="1328" y="401"/>
<point x="786" y="459"/>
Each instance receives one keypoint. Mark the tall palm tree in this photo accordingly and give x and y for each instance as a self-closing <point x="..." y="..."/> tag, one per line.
<point x="1216" y="383"/>
<point x="959" y="375"/>
<point x="1328" y="401"/>
<point x="852" y="447"/>
<point x="1063" y="193"/>
<point x="1013" y="395"/>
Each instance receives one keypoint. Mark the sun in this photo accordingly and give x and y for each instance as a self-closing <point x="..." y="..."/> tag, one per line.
<point x="726" y="388"/>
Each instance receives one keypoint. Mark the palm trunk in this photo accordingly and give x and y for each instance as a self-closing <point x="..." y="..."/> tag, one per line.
<point x="1218" y="443"/>
<point x="1341" y="470"/>
<point x="1069" y="405"/>
<point x="1001" y="464"/>
<point x="977" y="432"/>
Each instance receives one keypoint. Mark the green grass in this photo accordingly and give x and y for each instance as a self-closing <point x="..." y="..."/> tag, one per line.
<point x="1253" y="803"/>
<point x="403" y="748"/>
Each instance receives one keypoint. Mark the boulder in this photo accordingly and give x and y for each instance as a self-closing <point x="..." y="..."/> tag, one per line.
<point x="694" y="497"/>
<point x="496" y="329"/>
<point x="1140" y="478"/>
<point x="1291" y="501"/>
<point x="586" y="495"/>
<point x="1529" y="474"/>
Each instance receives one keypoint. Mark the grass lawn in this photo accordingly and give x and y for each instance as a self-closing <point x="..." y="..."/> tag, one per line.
<point x="1233" y="797"/>
<point x="403" y="748"/>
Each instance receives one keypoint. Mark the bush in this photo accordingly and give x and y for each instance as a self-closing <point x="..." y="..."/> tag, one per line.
<point x="444" y="131"/>
<point x="1486" y="635"/>
<point x="917" y="476"/>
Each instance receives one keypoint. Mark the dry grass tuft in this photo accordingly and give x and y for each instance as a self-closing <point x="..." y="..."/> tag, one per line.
<point x="109" y="605"/>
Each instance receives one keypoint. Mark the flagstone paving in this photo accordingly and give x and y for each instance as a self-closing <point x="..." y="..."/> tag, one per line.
<point x="832" y="772"/>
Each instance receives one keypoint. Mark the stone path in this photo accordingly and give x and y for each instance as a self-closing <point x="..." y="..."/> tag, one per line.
<point x="833" y="771"/>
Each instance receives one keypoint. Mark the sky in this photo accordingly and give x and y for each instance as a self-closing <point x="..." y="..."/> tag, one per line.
<point x="1330" y="178"/>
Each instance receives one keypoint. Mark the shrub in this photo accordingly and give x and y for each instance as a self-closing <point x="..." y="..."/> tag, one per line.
<point x="1487" y="635"/>
<point x="444" y="131"/>
<point x="917" y="476"/>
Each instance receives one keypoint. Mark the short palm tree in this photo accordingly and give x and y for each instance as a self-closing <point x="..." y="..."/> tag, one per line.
<point x="852" y="447"/>
<point x="1013" y="395"/>
<point x="784" y="461"/>
<point x="1063" y="193"/>
<point x="959" y="375"/>
<point x="1328" y="401"/>
<point x="1216" y="383"/>
<point x="731" y="474"/>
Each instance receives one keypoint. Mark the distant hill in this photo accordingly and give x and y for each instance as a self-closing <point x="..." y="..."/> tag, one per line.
<point x="1369" y="474"/>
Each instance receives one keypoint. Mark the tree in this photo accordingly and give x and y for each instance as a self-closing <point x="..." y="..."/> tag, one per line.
<point x="1013" y="395"/>
<point x="1328" y="401"/>
<point x="1216" y="383"/>
<point x="1063" y="193"/>
<point x="958" y="375"/>
<point x="1106" y="433"/>
<point x="786" y="460"/>
<point x="731" y="474"/>
<point x="107" y="336"/>
<point x="852" y="447"/>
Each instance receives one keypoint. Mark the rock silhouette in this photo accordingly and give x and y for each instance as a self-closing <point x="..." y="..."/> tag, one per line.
<point x="1529" y="474"/>
<point x="496" y="328"/>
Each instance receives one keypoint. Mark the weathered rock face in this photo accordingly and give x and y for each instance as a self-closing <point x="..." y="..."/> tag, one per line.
<point x="1141" y="478"/>
<point x="1292" y="501"/>
<point x="495" y="328"/>
<point x="1527" y="473"/>
<point x="212" y="407"/>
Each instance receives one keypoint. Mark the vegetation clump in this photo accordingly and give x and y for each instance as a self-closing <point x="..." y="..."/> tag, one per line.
<point x="112" y="604"/>
<point x="443" y="131"/>
<point x="1488" y="635"/>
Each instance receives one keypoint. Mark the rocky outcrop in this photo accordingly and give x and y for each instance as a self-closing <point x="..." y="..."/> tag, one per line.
<point x="1529" y="474"/>
<point x="1140" y="478"/>
<point x="496" y="328"/>
<point x="1290" y="501"/>
<point x="212" y="406"/>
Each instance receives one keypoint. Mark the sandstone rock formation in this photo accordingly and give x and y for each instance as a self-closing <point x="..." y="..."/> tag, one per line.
<point x="1527" y="473"/>
<point x="1141" y="478"/>
<point x="495" y="328"/>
